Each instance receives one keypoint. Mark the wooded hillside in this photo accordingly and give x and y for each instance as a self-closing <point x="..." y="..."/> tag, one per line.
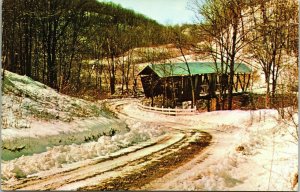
<point x="51" y="40"/>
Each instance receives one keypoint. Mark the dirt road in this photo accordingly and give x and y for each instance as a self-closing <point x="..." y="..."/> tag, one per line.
<point x="129" y="169"/>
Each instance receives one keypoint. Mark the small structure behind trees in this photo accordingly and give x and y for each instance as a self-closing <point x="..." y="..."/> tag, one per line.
<point x="172" y="82"/>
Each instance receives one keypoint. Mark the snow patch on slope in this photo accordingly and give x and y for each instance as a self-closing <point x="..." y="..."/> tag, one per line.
<point x="26" y="100"/>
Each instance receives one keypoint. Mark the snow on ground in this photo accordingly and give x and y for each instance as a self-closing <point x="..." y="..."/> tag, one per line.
<point x="251" y="150"/>
<point x="58" y="156"/>
<point x="53" y="128"/>
<point x="260" y="156"/>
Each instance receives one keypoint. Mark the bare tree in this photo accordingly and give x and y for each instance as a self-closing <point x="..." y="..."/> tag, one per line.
<point x="273" y="37"/>
<point x="225" y="27"/>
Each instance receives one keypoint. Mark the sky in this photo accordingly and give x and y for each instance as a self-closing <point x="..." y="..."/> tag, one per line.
<point x="167" y="12"/>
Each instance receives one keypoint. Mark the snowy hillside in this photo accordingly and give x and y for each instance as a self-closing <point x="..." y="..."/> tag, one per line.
<point x="25" y="99"/>
<point x="35" y="116"/>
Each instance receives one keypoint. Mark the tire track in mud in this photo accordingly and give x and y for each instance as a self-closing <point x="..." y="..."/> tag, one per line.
<point x="157" y="166"/>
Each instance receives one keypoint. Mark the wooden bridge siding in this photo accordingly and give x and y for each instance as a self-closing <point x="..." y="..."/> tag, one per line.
<point x="150" y="83"/>
<point x="202" y="84"/>
<point x="206" y="83"/>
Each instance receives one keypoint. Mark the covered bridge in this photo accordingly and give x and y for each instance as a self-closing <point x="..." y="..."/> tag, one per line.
<point x="173" y="79"/>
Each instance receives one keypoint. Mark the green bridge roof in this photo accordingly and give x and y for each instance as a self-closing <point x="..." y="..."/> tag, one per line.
<point x="180" y="69"/>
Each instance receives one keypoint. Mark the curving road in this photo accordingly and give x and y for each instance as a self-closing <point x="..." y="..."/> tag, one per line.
<point x="129" y="169"/>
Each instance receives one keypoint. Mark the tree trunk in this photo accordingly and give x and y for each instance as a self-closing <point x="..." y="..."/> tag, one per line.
<point x="267" y="102"/>
<point x="112" y="76"/>
<point x="232" y="62"/>
<point x="78" y="84"/>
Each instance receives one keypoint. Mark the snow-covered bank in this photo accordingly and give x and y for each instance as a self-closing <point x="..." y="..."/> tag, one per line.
<point x="59" y="156"/>
<point x="34" y="117"/>
<point x="35" y="140"/>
